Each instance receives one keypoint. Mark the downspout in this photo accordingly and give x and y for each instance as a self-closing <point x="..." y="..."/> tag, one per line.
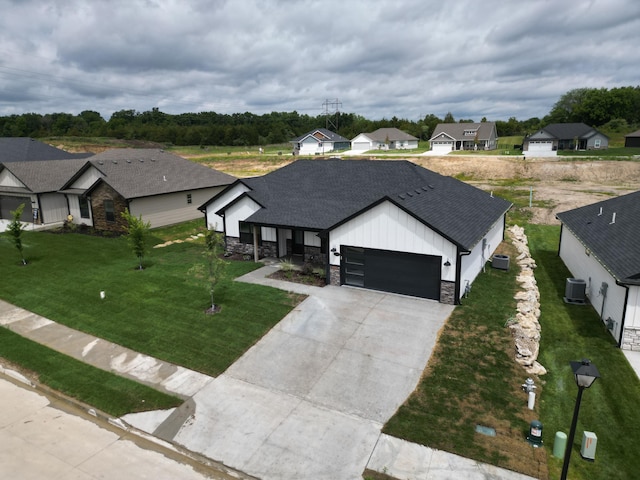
<point x="624" y="313"/>
<point x="458" y="283"/>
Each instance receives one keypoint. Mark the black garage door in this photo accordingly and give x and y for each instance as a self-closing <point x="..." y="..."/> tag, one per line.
<point x="397" y="272"/>
<point x="9" y="203"/>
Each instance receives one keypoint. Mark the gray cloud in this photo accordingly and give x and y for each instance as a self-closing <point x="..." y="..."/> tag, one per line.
<point x="405" y="58"/>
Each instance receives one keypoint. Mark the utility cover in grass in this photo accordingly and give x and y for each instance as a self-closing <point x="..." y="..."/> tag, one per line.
<point x="488" y="431"/>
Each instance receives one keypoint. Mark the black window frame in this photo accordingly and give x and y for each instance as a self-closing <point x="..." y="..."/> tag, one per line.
<point x="109" y="213"/>
<point x="83" y="205"/>
<point x="246" y="233"/>
<point x="189" y="199"/>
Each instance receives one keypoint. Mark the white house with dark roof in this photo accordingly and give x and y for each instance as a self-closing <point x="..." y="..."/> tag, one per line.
<point x="161" y="187"/>
<point x="563" y="136"/>
<point x="599" y="245"/>
<point x="384" y="139"/>
<point x="449" y="137"/>
<point x="384" y="225"/>
<point x="319" y="142"/>
<point x="36" y="184"/>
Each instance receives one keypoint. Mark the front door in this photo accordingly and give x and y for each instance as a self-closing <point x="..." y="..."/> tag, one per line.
<point x="297" y="243"/>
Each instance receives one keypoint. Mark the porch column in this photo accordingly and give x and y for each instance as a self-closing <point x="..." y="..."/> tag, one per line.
<point x="255" y="243"/>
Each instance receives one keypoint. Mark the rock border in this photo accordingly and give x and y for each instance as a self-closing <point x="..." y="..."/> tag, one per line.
<point x="525" y="325"/>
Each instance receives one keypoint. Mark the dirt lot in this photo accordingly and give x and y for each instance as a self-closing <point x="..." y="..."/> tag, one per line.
<point x="559" y="184"/>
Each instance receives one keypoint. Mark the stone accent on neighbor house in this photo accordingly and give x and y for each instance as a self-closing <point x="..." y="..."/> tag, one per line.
<point x="525" y="326"/>
<point x="98" y="196"/>
<point x="631" y="339"/>
<point x="447" y="292"/>
<point x="334" y="275"/>
<point x="235" y="246"/>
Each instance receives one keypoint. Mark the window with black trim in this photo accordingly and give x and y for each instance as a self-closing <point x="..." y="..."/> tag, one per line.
<point x="246" y="233"/>
<point x="84" y="207"/>
<point x="189" y="200"/>
<point x="109" y="211"/>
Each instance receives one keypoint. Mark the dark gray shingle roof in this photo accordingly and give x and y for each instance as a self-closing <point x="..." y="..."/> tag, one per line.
<point x="25" y="149"/>
<point x="44" y="176"/>
<point x="456" y="130"/>
<point x="326" y="136"/>
<point x="614" y="244"/>
<point x="566" y="131"/>
<point x="390" y="134"/>
<point x="320" y="194"/>
<point x="135" y="173"/>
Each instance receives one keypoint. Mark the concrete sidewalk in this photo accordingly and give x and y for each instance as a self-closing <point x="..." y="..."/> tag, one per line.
<point x="307" y="401"/>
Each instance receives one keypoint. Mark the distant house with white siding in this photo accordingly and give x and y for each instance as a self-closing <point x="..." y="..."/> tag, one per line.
<point x="449" y="137"/>
<point x="385" y="225"/>
<point x="161" y="187"/>
<point x="384" y="139"/>
<point x="319" y="142"/>
<point x="599" y="245"/>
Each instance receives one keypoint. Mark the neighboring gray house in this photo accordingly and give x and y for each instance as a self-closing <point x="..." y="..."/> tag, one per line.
<point x="162" y="187"/>
<point x="319" y="142"/>
<point x="599" y="245"/>
<point x="384" y="225"/>
<point x="384" y="139"/>
<point x="632" y="139"/>
<point x="25" y="149"/>
<point x="448" y="137"/>
<point x="563" y="136"/>
<point x="36" y="184"/>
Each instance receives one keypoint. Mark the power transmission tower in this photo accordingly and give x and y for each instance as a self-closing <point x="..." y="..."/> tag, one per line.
<point x="332" y="113"/>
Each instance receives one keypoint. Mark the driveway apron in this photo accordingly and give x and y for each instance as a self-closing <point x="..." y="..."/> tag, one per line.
<point x="310" y="398"/>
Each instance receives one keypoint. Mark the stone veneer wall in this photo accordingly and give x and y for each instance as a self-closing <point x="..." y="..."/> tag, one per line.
<point x="267" y="249"/>
<point x="314" y="255"/>
<point x="631" y="339"/>
<point x="447" y="292"/>
<point x="334" y="275"/>
<point x="98" y="196"/>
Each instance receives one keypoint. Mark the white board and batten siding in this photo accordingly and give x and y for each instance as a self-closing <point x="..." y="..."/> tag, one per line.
<point x="53" y="207"/>
<point x="387" y="227"/>
<point x="239" y="212"/>
<point x="481" y="253"/>
<point x="215" y="221"/>
<point x="583" y="265"/>
<point x="74" y="211"/>
<point x="632" y="318"/>
<point x="87" y="179"/>
<point x="171" y="208"/>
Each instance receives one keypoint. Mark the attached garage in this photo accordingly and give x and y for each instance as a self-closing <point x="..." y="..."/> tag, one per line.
<point x="10" y="203"/>
<point x="389" y="271"/>
<point x="442" y="147"/>
<point x="361" y="146"/>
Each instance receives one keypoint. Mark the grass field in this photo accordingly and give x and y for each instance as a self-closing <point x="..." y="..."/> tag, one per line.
<point x="158" y="311"/>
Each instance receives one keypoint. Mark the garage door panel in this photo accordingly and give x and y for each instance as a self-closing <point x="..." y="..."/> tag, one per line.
<point x="10" y="203"/>
<point x="397" y="272"/>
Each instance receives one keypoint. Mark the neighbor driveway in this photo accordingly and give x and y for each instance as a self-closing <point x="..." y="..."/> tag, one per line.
<point x="310" y="398"/>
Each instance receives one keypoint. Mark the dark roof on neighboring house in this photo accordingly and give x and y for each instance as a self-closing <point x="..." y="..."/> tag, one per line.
<point x="456" y="130"/>
<point x="633" y="134"/>
<point x="389" y="134"/>
<point x="135" y="173"/>
<point x="322" y="135"/>
<point x="614" y="244"/>
<point x="320" y="194"/>
<point x="43" y="176"/>
<point x="566" y="131"/>
<point x="25" y="149"/>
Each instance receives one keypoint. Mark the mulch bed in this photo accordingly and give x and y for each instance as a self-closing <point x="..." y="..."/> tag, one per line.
<point x="297" y="276"/>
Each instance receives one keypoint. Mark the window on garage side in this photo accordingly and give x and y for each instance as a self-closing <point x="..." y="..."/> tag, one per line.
<point x="109" y="211"/>
<point x="246" y="233"/>
<point x="84" y="207"/>
<point x="189" y="199"/>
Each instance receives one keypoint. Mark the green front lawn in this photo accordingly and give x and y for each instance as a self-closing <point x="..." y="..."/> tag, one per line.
<point x="472" y="379"/>
<point x="158" y="311"/>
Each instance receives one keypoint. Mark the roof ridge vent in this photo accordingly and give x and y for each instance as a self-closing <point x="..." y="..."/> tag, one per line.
<point x="613" y="219"/>
<point x="115" y="162"/>
<point x="128" y="160"/>
<point x="141" y="160"/>
<point x="410" y="194"/>
<point x="402" y="197"/>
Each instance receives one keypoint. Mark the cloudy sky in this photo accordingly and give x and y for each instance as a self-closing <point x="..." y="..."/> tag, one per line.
<point x="378" y="58"/>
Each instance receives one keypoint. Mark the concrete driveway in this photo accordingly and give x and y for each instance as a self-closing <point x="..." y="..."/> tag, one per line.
<point x="310" y="398"/>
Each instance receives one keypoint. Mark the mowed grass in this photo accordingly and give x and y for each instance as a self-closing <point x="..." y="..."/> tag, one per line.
<point x="103" y="390"/>
<point x="472" y="379"/>
<point x="610" y="407"/>
<point x="158" y="311"/>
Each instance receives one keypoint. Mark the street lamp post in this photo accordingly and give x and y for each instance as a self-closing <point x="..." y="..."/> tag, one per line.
<point x="585" y="374"/>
